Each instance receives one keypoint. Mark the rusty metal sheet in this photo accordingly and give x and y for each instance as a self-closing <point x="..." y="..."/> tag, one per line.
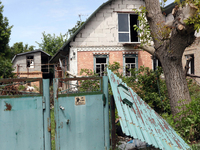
<point x="140" y="121"/>
<point x="13" y="87"/>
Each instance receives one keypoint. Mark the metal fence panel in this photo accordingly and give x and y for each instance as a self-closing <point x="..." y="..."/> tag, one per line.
<point x="21" y="125"/>
<point x="23" y="115"/>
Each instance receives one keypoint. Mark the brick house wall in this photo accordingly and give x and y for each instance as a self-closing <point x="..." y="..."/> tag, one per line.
<point x="86" y="59"/>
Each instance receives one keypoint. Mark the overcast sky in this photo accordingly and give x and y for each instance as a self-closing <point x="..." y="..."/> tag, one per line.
<point x="32" y="17"/>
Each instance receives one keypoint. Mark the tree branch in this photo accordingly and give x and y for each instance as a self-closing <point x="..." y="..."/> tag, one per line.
<point x="148" y="49"/>
<point x="192" y="75"/>
<point x="188" y="11"/>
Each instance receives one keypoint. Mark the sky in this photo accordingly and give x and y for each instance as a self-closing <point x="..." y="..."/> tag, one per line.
<point x="30" y="18"/>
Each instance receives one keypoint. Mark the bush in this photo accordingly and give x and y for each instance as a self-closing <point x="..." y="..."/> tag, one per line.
<point x="21" y="87"/>
<point x="150" y="87"/>
<point x="189" y="125"/>
<point x="88" y="85"/>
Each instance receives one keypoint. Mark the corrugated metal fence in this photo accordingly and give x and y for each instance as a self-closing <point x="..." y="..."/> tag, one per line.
<point x="140" y="121"/>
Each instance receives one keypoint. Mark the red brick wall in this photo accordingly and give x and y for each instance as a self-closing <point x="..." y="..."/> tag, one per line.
<point x="32" y="75"/>
<point x="144" y="58"/>
<point x="86" y="59"/>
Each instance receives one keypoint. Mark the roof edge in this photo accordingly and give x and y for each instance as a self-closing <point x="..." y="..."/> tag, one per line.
<point x="79" y="29"/>
<point x="34" y="51"/>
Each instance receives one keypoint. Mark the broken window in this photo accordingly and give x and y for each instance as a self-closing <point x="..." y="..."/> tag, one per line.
<point x="100" y="65"/>
<point x="191" y="64"/>
<point x="130" y="63"/>
<point x="30" y="62"/>
<point x="126" y="32"/>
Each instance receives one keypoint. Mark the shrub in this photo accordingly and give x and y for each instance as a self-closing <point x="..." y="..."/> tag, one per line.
<point x="150" y="87"/>
<point x="21" y="87"/>
<point x="189" y="125"/>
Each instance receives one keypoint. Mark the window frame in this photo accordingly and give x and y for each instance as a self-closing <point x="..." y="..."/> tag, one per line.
<point x="191" y="69"/>
<point x="124" y="62"/>
<point x="129" y="29"/>
<point x="30" y="66"/>
<point x="100" y="56"/>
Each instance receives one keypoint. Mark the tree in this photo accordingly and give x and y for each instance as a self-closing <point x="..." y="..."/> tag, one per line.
<point x="170" y="40"/>
<point x="52" y="43"/>
<point x="5" y="31"/>
<point x="18" y="47"/>
<point x="75" y="28"/>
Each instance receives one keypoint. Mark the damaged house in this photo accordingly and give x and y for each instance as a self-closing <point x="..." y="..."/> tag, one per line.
<point x="33" y="64"/>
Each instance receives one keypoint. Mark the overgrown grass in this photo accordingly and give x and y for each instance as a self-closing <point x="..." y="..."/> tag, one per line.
<point x="53" y="147"/>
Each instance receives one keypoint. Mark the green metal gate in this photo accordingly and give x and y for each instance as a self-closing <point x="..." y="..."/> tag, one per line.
<point x="81" y="113"/>
<point x="24" y="115"/>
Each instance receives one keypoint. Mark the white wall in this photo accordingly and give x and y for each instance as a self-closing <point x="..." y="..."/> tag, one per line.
<point x="102" y="30"/>
<point x="21" y="61"/>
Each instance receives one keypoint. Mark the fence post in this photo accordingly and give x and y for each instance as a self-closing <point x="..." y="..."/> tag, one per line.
<point x="113" y="132"/>
<point x="46" y="111"/>
<point x="106" y="113"/>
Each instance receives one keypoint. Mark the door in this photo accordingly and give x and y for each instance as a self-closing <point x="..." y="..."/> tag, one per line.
<point x="80" y="116"/>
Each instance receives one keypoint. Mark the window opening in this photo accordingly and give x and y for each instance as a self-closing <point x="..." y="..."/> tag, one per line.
<point x="126" y="31"/>
<point x="191" y="64"/>
<point x="30" y="62"/>
<point x="129" y="64"/>
<point x="100" y="66"/>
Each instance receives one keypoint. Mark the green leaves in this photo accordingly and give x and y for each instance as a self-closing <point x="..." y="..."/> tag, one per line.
<point x="189" y="125"/>
<point x="143" y="28"/>
<point x="147" y="84"/>
<point x="18" y="47"/>
<point x="5" y="31"/>
<point x="75" y="28"/>
<point x="5" y="68"/>
<point x="52" y="43"/>
<point x="195" y="19"/>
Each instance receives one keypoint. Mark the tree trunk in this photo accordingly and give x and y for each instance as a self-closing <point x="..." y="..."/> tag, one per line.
<point x="176" y="83"/>
<point x="169" y="48"/>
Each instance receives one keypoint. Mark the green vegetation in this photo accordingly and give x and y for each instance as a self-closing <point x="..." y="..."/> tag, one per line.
<point x="19" y="47"/>
<point x="5" y="31"/>
<point x="189" y="125"/>
<point x="21" y="87"/>
<point x="53" y="146"/>
<point x="52" y="43"/>
<point x="148" y="85"/>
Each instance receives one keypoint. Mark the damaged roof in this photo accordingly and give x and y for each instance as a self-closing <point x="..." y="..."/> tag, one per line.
<point x="30" y="52"/>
